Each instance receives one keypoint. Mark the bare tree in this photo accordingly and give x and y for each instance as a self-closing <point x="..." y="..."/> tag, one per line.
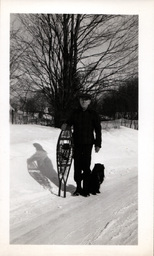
<point x="64" y="53"/>
<point x="18" y="90"/>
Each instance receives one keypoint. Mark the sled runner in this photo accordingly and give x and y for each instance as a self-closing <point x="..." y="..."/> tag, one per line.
<point x="64" y="157"/>
<point x="38" y="176"/>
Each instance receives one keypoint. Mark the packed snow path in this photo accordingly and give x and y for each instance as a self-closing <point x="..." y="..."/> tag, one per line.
<point x="38" y="216"/>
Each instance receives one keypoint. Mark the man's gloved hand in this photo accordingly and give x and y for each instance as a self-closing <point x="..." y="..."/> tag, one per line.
<point x="97" y="149"/>
<point x="64" y="127"/>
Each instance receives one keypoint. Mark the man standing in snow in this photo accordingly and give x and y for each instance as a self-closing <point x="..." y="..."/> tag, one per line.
<point x="85" y="122"/>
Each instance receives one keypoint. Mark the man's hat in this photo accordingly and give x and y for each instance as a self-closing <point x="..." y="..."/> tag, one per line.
<point x="85" y="96"/>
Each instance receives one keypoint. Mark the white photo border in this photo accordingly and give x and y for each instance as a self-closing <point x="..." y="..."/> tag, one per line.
<point x="146" y="126"/>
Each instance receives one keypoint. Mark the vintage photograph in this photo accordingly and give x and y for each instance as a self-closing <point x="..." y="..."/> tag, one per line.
<point x="74" y="99"/>
<point x="76" y="139"/>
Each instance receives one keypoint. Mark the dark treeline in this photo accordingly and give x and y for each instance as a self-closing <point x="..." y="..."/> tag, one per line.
<point x="122" y="102"/>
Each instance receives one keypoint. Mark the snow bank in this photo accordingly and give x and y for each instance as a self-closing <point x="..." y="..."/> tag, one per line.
<point x="38" y="216"/>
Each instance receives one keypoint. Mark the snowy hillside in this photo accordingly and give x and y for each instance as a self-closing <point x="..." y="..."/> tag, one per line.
<point x="40" y="217"/>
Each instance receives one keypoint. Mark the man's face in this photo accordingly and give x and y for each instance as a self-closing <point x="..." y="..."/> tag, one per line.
<point x="84" y="103"/>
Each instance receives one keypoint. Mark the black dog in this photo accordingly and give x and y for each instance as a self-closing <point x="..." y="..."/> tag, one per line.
<point x="96" y="178"/>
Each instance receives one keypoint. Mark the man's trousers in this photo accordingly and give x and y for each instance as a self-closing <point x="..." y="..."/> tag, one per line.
<point x="82" y="162"/>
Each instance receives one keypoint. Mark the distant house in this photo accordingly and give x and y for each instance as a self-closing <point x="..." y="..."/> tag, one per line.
<point x="22" y="117"/>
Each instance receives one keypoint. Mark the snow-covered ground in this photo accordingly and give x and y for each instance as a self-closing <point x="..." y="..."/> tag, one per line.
<point x="39" y="217"/>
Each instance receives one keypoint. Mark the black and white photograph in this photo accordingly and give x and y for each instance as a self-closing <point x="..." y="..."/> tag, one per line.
<point x="76" y="169"/>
